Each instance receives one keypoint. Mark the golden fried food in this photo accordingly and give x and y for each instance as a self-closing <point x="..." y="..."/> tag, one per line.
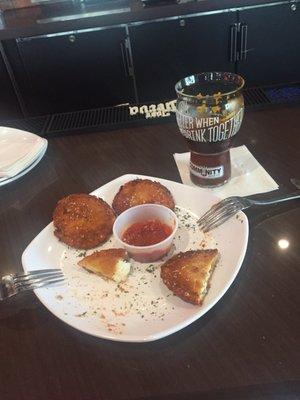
<point x="110" y="263"/>
<point x="187" y="274"/>
<point x="83" y="221"/>
<point x="142" y="191"/>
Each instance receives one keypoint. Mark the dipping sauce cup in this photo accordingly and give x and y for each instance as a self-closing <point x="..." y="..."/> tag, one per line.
<point x="142" y="214"/>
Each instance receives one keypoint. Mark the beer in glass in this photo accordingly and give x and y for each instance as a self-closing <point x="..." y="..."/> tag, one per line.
<point x="209" y="113"/>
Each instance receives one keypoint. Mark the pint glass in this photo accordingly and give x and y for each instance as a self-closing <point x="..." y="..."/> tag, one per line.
<point x="209" y="113"/>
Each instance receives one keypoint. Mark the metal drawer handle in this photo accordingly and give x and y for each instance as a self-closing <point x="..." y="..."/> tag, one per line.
<point x="233" y="43"/>
<point x="244" y="37"/>
<point x="125" y="51"/>
<point x="124" y="59"/>
<point x="128" y="57"/>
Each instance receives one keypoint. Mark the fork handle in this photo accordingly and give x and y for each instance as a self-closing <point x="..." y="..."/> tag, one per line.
<point x="279" y="199"/>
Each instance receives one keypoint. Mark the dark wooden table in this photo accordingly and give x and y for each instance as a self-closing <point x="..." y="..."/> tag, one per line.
<point x="246" y="347"/>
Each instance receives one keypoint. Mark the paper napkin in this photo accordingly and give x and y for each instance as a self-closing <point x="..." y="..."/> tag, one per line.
<point x="247" y="175"/>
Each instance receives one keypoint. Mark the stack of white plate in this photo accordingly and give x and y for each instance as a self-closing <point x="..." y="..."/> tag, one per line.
<point x="20" y="151"/>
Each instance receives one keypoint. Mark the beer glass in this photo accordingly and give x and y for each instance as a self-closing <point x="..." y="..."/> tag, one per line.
<point x="209" y="113"/>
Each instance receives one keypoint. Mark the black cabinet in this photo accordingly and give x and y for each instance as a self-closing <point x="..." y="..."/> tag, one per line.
<point x="142" y="61"/>
<point x="164" y="52"/>
<point x="9" y="106"/>
<point x="76" y="71"/>
<point x="272" y="52"/>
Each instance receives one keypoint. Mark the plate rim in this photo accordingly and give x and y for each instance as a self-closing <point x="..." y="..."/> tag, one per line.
<point x="28" y="168"/>
<point x="166" y="332"/>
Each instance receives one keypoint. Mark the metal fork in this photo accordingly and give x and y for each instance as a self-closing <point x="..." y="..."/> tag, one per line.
<point x="225" y="209"/>
<point x="13" y="284"/>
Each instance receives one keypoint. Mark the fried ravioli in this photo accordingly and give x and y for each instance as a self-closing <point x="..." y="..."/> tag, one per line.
<point x="187" y="274"/>
<point x="142" y="191"/>
<point x="83" y="221"/>
<point x="110" y="263"/>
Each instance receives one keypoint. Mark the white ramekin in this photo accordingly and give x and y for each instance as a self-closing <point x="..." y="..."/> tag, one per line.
<point x="142" y="213"/>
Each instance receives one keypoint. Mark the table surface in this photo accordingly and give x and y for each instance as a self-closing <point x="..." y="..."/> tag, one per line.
<point x="245" y="347"/>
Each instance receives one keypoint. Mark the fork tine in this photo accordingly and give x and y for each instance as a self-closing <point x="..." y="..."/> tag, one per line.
<point x="206" y="218"/>
<point x="220" y="219"/>
<point x="39" y="285"/>
<point x="215" y="214"/>
<point x="38" y="271"/>
<point x="218" y="222"/>
<point x="37" y="279"/>
<point x="223" y="211"/>
<point x="25" y="277"/>
<point x="10" y="284"/>
<point x="215" y="208"/>
<point x="210" y="213"/>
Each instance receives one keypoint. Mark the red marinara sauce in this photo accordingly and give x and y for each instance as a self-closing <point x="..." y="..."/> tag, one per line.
<point x="146" y="233"/>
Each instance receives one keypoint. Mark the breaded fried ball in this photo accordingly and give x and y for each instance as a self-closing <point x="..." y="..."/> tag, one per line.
<point x="83" y="221"/>
<point x="142" y="191"/>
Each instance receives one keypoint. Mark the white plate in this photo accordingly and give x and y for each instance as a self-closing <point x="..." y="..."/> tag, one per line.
<point x="26" y="170"/>
<point x="141" y="309"/>
<point x="17" y="146"/>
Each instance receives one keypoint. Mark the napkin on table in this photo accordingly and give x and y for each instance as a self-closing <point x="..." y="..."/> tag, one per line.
<point x="247" y="175"/>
